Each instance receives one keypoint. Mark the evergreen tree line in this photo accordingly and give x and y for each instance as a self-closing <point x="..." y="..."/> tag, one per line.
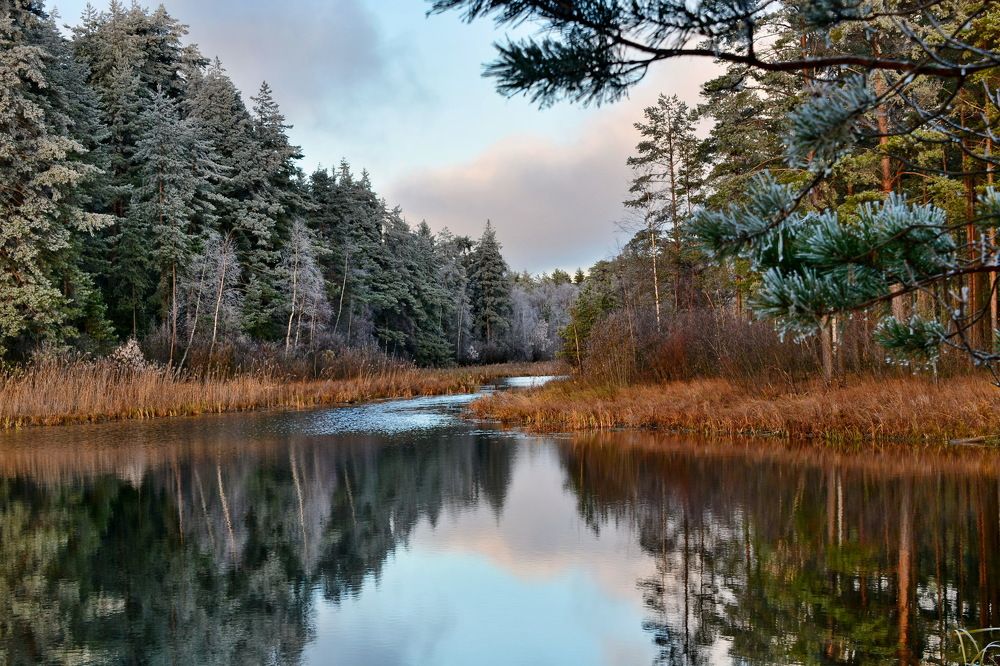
<point x="142" y="197"/>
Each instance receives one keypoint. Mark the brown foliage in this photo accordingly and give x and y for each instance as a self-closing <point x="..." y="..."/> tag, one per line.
<point x="701" y="344"/>
<point x="866" y="409"/>
<point x="56" y="392"/>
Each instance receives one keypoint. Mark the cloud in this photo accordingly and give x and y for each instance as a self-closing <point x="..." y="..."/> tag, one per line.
<point x="325" y="59"/>
<point x="554" y="204"/>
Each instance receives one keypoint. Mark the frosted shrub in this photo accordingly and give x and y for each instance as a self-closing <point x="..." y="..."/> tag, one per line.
<point x="129" y="357"/>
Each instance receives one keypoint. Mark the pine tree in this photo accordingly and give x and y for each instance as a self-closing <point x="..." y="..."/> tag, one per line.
<point x="490" y="287"/>
<point x="666" y="187"/>
<point x="430" y="344"/>
<point x="175" y="167"/>
<point x="270" y="180"/>
<point x="390" y="294"/>
<point x="44" y="169"/>
<point x="453" y="258"/>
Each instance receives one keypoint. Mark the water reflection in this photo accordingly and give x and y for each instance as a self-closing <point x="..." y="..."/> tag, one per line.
<point x="325" y="537"/>
<point x="781" y="558"/>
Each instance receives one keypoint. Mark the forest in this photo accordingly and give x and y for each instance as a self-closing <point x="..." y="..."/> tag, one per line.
<point x="811" y="247"/>
<point x="145" y="198"/>
<point x="751" y="256"/>
<point x="823" y="218"/>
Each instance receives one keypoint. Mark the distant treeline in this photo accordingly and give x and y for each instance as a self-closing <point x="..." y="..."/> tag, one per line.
<point x="143" y="198"/>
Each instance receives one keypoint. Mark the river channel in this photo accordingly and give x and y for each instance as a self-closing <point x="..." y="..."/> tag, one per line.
<point x="400" y="533"/>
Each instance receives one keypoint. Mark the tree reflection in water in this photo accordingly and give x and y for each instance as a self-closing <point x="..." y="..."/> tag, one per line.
<point x="206" y="559"/>
<point x="800" y="557"/>
<point x="215" y="546"/>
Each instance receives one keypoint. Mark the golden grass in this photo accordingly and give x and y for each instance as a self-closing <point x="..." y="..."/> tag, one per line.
<point x="865" y="409"/>
<point x="52" y="394"/>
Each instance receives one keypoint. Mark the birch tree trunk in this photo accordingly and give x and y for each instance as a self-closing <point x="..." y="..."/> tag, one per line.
<point x="295" y="286"/>
<point x="343" y="289"/>
<point x="218" y="302"/>
<point x="656" y="279"/>
<point x="197" y="311"/>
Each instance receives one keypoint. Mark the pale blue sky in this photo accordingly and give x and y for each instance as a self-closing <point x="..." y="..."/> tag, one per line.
<point x="401" y="94"/>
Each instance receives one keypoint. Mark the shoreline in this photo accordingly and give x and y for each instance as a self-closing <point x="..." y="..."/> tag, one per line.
<point x="962" y="411"/>
<point x="96" y="394"/>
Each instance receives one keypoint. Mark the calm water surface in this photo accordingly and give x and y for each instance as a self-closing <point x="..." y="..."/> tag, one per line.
<point x="398" y="533"/>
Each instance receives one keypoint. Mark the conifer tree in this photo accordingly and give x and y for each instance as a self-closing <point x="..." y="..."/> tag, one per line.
<point x="453" y="258"/>
<point x="431" y="345"/>
<point x="490" y="288"/>
<point x="175" y="167"/>
<point x="135" y="169"/>
<point x="666" y="189"/>
<point x="44" y="168"/>
<point x="272" y="199"/>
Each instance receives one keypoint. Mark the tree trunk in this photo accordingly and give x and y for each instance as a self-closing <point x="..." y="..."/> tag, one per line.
<point x="458" y="333"/>
<point x="218" y="304"/>
<point x="898" y="303"/>
<point x="903" y="573"/>
<point x="312" y="323"/>
<point x="826" y="349"/>
<point x="291" y="315"/>
<point x="993" y="243"/>
<point x="343" y="289"/>
<point x="672" y="165"/>
<point x="976" y="305"/>
<point x="656" y="278"/>
<point x="298" y="325"/>
<point x="173" y="310"/>
<point x="194" y="326"/>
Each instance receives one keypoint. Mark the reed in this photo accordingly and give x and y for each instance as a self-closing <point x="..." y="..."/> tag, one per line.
<point x="52" y="393"/>
<point x="865" y="409"/>
<point x="972" y="653"/>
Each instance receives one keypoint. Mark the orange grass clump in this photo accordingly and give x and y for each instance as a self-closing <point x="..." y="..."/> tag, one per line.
<point x="865" y="409"/>
<point x="58" y="393"/>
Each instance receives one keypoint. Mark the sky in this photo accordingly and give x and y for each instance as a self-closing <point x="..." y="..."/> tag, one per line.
<point x="401" y="94"/>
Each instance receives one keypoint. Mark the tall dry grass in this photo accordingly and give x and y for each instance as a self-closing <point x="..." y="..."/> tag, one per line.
<point x="54" y="392"/>
<point x="865" y="409"/>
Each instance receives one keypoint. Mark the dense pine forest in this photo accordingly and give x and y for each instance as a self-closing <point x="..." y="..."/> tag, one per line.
<point x="145" y="197"/>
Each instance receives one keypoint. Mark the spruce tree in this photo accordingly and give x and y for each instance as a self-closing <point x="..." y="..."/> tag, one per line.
<point x="44" y="168"/>
<point x="491" y="289"/>
<point x="270" y="181"/>
<point x="175" y="167"/>
<point x="430" y="344"/>
<point x="452" y="259"/>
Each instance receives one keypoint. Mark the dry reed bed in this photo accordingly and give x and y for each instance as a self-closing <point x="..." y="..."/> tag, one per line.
<point x="53" y="394"/>
<point x="863" y="410"/>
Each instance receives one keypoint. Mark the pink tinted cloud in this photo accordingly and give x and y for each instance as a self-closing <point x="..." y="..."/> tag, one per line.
<point x="553" y="203"/>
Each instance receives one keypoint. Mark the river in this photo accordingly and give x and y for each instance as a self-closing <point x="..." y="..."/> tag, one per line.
<point x="400" y="533"/>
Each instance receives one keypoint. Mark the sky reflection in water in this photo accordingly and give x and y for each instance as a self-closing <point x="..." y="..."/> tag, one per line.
<point x="397" y="533"/>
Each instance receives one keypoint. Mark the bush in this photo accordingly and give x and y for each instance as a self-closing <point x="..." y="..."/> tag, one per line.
<point x="610" y="358"/>
<point x="128" y="357"/>
<point x="626" y="347"/>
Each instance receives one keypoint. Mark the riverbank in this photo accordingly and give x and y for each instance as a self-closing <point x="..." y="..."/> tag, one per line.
<point x="864" y="409"/>
<point x="90" y="392"/>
